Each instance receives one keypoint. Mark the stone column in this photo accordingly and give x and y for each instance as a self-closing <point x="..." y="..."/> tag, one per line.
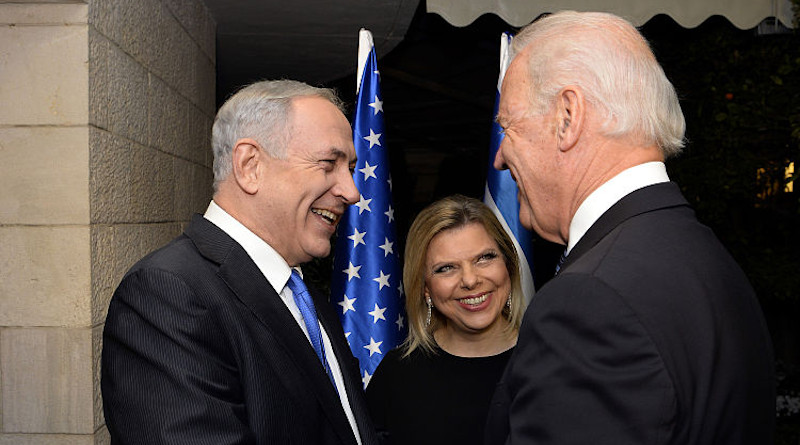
<point x="104" y="154"/>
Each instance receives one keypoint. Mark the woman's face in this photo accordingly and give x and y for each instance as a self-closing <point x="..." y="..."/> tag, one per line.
<point x="467" y="280"/>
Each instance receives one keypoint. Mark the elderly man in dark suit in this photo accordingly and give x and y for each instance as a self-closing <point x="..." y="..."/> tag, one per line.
<point x="650" y="333"/>
<point x="214" y="338"/>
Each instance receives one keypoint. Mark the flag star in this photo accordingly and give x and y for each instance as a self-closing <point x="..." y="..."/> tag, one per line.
<point x="357" y="237"/>
<point x="377" y="105"/>
<point x="373" y="138"/>
<point x="352" y="271"/>
<point x="399" y="288"/>
<point x="387" y="247"/>
<point x="368" y="170"/>
<point x="400" y="322"/>
<point x="377" y="314"/>
<point x="382" y="280"/>
<point x="347" y="304"/>
<point x="363" y="204"/>
<point x="347" y="335"/>
<point x="373" y="347"/>
<point x="365" y="380"/>
<point x="390" y="213"/>
<point x="390" y="183"/>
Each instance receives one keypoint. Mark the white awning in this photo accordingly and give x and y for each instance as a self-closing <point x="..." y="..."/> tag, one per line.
<point x="744" y="14"/>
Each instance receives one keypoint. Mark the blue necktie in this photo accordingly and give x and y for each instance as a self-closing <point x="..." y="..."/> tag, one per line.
<point x="309" y="313"/>
<point x="561" y="261"/>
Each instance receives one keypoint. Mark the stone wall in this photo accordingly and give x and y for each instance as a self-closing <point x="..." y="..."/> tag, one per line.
<point x="104" y="155"/>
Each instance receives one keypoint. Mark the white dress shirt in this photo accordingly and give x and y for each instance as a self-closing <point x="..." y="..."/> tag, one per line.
<point x="277" y="272"/>
<point x="608" y="194"/>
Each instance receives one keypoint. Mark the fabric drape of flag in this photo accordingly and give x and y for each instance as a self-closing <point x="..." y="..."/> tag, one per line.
<point x="501" y="190"/>
<point x="366" y="286"/>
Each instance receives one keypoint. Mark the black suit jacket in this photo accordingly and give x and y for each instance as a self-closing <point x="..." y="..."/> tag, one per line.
<point x="198" y="348"/>
<point x="651" y="334"/>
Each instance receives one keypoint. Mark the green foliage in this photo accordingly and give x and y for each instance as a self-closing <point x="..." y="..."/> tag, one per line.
<point x="741" y="96"/>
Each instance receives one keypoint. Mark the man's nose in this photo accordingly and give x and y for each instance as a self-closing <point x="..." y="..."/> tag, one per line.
<point x="499" y="159"/>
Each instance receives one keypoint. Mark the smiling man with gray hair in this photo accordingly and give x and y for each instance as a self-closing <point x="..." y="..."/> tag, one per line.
<point x="214" y="338"/>
<point x="649" y="333"/>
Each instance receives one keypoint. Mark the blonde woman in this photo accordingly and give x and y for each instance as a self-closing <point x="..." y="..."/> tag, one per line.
<point x="464" y="306"/>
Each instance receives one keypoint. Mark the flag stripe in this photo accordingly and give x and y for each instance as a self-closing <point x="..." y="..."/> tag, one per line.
<point x="501" y="190"/>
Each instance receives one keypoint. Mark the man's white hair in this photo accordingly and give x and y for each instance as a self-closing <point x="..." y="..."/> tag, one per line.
<point x="615" y="68"/>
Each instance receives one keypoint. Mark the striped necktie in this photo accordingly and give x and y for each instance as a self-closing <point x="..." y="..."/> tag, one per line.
<point x="561" y="261"/>
<point x="309" y="313"/>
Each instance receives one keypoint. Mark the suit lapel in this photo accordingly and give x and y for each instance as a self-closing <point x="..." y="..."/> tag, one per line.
<point x="647" y="199"/>
<point x="250" y="286"/>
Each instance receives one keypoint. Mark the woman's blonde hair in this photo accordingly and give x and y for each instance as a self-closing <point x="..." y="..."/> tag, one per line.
<point x="450" y="213"/>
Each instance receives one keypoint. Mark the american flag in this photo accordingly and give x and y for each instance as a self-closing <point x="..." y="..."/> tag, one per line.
<point x="366" y="286"/>
<point x="501" y="190"/>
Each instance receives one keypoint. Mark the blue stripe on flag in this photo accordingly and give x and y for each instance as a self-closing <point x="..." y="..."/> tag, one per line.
<point x="501" y="191"/>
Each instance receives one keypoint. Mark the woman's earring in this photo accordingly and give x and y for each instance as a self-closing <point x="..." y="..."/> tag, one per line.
<point x="508" y="302"/>
<point x="430" y="306"/>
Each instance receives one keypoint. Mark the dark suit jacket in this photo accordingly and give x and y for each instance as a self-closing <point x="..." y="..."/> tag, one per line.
<point x="651" y="334"/>
<point x="198" y="348"/>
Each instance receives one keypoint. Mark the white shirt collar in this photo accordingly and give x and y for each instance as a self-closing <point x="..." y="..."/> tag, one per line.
<point x="274" y="268"/>
<point x="608" y="194"/>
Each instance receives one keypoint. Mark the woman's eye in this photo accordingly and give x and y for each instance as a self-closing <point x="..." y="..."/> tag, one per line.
<point x="442" y="269"/>
<point x="487" y="256"/>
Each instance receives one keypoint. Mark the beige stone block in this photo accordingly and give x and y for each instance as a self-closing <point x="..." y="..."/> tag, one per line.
<point x="202" y="189"/>
<point x="127" y="91"/>
<point x="172" y="61"/>
<point x="152" y="185"/>
<point x="43" y="14"/>
<point x="182" y="200"/>
<point x="167" y="121"/>
<point x="128" y="24"/>
<point x="44" y="74"/>
<point x="197" y="20"/>
<point x="203" y="80"/>
<point x="208" y="37"/>
<point x="45" y="276"/>
<point x="46" y="378"/>
<point x="102" y="437"/>
<point x="109" y="177"/>
<point x="48" y="439"/>
<point x="198" y="141"/>
<point x="105" y="276"/>
<point x="97" y="355"/>
<point x="45" y="173"/>
<point x="99" y="100"/>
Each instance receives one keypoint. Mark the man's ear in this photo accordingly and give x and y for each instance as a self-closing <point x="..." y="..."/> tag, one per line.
<point x="570" y="112"/>
<point x="245" y="159"/>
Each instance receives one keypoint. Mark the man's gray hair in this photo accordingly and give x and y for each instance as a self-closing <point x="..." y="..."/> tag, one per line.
<point x="616" y="69"/>
<point x="261" y="111"/>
